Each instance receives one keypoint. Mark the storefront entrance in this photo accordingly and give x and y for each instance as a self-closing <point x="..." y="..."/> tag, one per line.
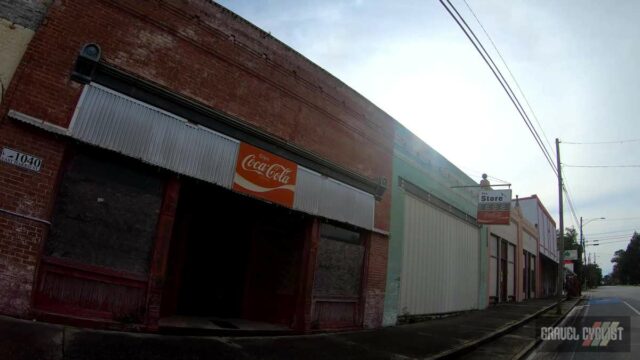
<point x="232" y="259"/>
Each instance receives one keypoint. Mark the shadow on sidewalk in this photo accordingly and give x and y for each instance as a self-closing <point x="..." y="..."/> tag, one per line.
<point x="34" y="340"/>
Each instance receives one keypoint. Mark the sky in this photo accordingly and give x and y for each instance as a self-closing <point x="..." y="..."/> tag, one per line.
<point x="575" y="61"/>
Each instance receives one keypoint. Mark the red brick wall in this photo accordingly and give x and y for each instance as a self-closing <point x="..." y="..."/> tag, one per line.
<point x="27" y="193"/>
<point x="205" y="53"/>
<point x="376" y="280"/>
<point x="214" y="58"/>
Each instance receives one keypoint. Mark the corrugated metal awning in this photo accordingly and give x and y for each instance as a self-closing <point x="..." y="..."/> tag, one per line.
<point x="320" y="195"/>
<point x="114" y="121"/>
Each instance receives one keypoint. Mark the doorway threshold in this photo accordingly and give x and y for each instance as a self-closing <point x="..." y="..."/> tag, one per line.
<point x="213" y="326"/>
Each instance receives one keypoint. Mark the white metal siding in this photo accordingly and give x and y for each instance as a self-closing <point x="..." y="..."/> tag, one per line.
<point x="440" y="261"/>
<point x="116" y="122"/>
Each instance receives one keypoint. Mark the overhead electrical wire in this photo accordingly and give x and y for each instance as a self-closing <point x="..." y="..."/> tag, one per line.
<point x="624" y="218"/>
<point x="619" y="236"/>
<point x="477" y="44"/>
<point x="601" y="166"/>
<point x="613" y="232"/>
<point x="602" y="142"/>
<point x="610" y="242"/>
<point x="507" y="88"/>
<point x="476" y="173"/>
<point x="571" y="207"/>
<point x="515" y="81"/>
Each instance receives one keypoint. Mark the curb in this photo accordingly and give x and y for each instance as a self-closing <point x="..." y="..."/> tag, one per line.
<point x="483" y="340"/>
<point x="527" y="349"/>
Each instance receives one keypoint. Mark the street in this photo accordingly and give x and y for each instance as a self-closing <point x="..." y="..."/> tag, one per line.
<point x="602" y="304"/>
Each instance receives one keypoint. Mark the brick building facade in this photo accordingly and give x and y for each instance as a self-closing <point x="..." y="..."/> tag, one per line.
<point x="197" y="65"/>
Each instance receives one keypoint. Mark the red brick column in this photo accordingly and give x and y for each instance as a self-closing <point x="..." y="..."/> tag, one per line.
<point x="302" y="320"/>
<point x="375" y="280"/>
<point x="160" y="256"/>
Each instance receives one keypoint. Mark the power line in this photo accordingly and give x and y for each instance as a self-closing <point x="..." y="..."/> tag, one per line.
<point x="612" y="242"/>
<point x="571" y="207"/>
<point x="470" y="171"/>
<point x="612" y="232"/>
<point x="477" y="44"/>
<point x="601" y="166"/>
<point x="507" y="88"/>
<point x="565" y="187"/>
<point x="619" y="236"/>
<point x="602" y="142"/>
<point x="495" y="178"/>
<point x="510" y="73"/>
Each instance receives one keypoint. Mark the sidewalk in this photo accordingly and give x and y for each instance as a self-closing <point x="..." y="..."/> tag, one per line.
<point x="431" y="339"/>
<point x="518" y="343"/>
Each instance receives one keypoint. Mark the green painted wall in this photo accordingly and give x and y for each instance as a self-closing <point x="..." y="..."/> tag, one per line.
<point x="420" y="164"/>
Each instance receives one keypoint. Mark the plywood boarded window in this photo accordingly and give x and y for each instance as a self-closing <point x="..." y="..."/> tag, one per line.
<point x="339" y="263"/>
<point x="106" y="213"/>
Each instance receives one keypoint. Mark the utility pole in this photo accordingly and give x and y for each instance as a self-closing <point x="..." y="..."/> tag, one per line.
<point x="560" y="282"/>
<point x="585" y="279"/>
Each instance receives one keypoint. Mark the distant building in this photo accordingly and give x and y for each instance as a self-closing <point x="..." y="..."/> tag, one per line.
<point x="534" y="211"/>
<point x="513" y="253"/>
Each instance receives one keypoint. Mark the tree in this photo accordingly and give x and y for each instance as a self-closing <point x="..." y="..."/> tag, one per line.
<point x="632" y="259"/>
<point x="619" y="275"/>
<point x="593" y="274"/>
<point x="626" y="268"/>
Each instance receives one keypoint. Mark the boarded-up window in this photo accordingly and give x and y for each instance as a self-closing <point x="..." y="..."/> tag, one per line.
<point x="339" y="263"/>
<point x="106" y="214"/>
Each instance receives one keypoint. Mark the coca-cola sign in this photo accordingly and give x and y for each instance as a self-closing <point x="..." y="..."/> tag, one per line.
<point x="264" y="175"/>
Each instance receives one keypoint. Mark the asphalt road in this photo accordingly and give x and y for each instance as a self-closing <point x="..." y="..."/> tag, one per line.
<point x="603" y="304"/>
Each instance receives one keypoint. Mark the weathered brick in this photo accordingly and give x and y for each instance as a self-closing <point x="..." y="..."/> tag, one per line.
<point x="200" y="51"/>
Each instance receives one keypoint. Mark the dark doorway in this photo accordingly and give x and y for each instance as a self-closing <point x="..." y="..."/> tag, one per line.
<point x="504" y="274"/>
<point x="233" y="257"/>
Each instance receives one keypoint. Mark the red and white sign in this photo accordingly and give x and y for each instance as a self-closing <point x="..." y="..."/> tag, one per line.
<point x="264" y="175"/>
<point x="494" y="207"/>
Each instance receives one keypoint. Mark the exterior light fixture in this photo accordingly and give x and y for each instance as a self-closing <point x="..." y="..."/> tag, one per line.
<point x="86" y="63"/>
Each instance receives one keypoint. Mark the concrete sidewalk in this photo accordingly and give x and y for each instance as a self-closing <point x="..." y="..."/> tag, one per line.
<point x="444" y="337"/>
<point x="517" y="343"/>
